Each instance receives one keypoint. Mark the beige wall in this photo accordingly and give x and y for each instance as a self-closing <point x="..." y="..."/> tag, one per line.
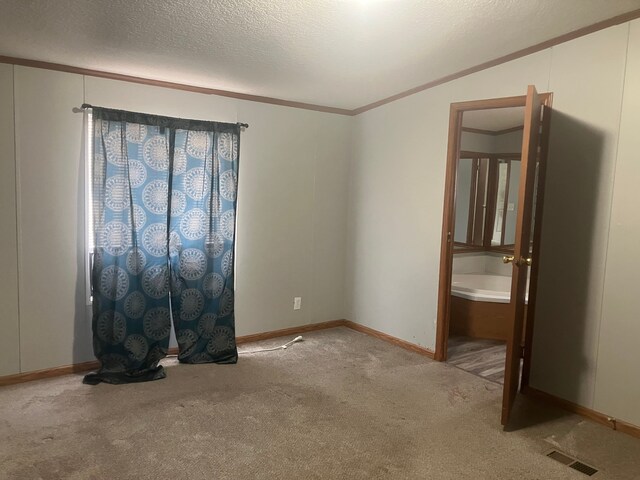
<point x="51" y="238"/>
<point x="291" y="220"/>
<point x="396" y="197"/>
<point x="617" y="381"/>
<point x="395" y="215"/>
<point x="586" y="77"/>
<point x="10" y="336"/>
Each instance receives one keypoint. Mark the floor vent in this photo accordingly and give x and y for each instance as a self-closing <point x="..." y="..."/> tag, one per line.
<point x="581" y="467"/>
<point x="572" y="462"/>
<point x="560" y="457"/>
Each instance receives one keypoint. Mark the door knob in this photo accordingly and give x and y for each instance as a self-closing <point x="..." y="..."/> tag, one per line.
<point x="511" y="259"/>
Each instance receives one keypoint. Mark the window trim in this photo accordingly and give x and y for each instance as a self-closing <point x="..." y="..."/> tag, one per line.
<point x="89" y="241"/>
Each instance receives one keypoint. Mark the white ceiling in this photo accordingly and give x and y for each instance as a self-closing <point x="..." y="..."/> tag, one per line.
<point x="494" y="119"/>
<point x="342" y="53"/>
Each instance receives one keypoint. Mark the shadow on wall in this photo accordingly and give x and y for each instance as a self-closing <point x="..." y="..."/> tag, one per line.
<point x="567" y="312"/>
<point x="82" y="345"/>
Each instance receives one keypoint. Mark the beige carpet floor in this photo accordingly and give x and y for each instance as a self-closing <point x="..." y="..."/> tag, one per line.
<point x="340" y="405"/>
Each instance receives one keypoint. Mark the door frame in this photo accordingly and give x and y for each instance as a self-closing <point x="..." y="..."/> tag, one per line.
<point x="448" y="223"/>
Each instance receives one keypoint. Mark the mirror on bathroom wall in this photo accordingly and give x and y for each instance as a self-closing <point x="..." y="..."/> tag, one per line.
<point x="486" y="201"/>
<point x="487" y="180"/>
<point x="471" y="198"/>
<point x="504" y="223"/>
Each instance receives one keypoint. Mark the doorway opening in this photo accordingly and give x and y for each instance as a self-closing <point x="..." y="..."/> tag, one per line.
<point x="490" y="239"/>
<point x="486" y="198"/>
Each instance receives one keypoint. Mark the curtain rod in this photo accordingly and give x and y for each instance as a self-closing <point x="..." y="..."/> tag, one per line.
<point x="86" y="106"/>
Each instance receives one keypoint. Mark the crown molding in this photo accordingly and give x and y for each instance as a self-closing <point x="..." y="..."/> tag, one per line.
<point x="175" y="86"/>
<point x="626" y="17"/>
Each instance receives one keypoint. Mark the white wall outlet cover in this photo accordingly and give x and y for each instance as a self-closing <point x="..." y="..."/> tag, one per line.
<point x="297" y="303"/>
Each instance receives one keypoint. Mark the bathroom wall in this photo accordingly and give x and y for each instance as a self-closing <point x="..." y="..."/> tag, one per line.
<point x="477" y="142"/>
<point x="508" y="142"/>
<point x="481" y="262"/>
<point x="493" y="264"/>
<point x="472" y="262"/>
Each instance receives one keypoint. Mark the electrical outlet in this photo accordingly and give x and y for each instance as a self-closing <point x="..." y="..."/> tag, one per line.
<point x="297" y="303"/>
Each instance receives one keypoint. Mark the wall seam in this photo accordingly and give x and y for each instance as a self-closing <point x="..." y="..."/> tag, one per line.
<point x="613" y="188"/>
<point x="313" y="300"/>
<point x="550" y="68"/>
<point x="347" y="302"/>
<point x="17" y="213"/>
<point x="348" y="274"/>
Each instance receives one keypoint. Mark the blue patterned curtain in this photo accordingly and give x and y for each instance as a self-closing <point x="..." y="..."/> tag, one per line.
<point x="164" y="202"/>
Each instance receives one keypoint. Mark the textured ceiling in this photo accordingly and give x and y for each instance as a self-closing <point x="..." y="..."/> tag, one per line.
<point x="342" y="53"/>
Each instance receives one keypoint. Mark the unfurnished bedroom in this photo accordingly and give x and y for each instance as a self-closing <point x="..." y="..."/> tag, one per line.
<point x="335" y="239"/>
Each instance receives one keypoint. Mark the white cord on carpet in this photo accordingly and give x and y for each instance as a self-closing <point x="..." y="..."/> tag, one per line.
<point x="281" y="347"/>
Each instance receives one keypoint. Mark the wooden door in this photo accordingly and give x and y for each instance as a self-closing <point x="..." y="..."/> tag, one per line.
<point x="521" y="256"/>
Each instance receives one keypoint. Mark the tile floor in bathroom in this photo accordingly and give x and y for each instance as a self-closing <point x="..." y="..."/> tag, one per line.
<point x="481" y="357"/>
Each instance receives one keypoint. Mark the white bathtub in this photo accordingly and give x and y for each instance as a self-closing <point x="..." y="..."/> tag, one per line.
<point x="482" y="287"/>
